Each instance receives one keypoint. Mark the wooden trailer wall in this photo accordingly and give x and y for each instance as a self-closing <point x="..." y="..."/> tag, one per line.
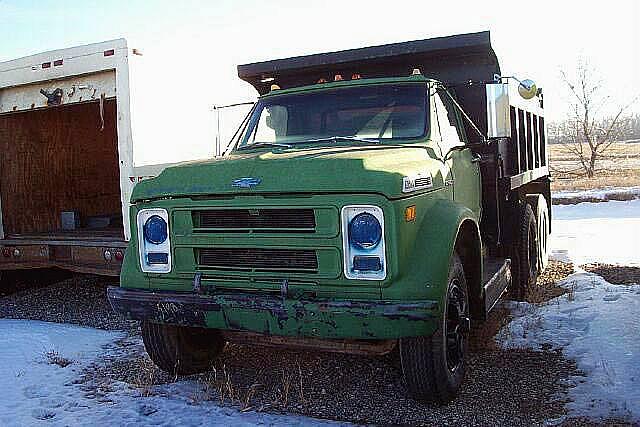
<point x="58" y="159"/>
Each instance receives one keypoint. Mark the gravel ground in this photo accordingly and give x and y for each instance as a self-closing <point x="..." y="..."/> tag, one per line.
<point x="502" y="387"/>
<point x="55" y="296"/>
<point x="615" y="274"/>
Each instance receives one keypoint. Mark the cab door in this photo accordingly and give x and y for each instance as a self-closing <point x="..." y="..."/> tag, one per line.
<point x="464" y="163"/>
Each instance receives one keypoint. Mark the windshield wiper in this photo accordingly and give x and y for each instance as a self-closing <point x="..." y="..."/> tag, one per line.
<point x="263" y="144"/>
<point x="337" y="138"/>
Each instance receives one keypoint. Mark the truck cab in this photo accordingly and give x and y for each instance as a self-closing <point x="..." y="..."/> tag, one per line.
<point x="354" y="213"/>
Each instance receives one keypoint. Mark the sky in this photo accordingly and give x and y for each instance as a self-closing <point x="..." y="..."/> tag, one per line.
<point x="534" y="39"/>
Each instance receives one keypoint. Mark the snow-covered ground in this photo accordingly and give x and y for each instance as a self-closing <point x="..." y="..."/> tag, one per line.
<point x="37" y="391"/>
<point x="606" y="232"/>
<point x="596" y="323"/>
<point x="598" y="194"/>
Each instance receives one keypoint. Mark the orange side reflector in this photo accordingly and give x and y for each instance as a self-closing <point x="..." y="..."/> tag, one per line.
<point x="410" y="213"/>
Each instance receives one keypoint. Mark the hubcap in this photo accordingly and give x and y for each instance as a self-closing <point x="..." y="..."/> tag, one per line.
<point x="457" y="326"/>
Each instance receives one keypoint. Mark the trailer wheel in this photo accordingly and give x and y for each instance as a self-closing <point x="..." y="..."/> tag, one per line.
<point x="525" y="255"/>
<point x="434" y="366"/>
<point x="181" y="350"/>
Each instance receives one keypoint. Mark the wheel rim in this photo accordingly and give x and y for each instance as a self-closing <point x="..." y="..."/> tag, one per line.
<point x="456" y="324"/>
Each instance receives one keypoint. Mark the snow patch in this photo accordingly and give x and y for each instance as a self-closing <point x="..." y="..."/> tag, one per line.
<point x="37" y="390"/>
<point x="597" y="232"/>
<point x="600" y="194"/>
<point x="595" y="324"/>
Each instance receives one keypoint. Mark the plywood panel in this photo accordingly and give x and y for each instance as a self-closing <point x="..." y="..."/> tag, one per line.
<point x="55" y="160"/>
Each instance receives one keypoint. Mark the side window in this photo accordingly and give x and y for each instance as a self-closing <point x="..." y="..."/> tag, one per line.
<point x="447" y="121"/>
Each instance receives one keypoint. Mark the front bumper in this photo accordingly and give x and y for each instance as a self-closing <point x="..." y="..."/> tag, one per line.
<point x="271" y="315"/>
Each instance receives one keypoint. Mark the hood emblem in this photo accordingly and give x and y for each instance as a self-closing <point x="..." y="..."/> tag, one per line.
<point x="247" y="182"/>
<point x="416" y="182"/>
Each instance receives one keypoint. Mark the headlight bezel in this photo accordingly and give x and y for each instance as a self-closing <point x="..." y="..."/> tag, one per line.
<point x="350" y="251"/>
<point x="146" y="247"/>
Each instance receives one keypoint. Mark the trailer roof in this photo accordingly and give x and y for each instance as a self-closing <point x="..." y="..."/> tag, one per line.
<point x="452" y="59"/>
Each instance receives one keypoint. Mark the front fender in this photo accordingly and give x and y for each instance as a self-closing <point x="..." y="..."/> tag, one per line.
<point x="424" y="249"/>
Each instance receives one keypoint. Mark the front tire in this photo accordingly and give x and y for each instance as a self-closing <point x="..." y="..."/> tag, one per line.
<point x="434" y="367"/>
<point x="181" y="350"/>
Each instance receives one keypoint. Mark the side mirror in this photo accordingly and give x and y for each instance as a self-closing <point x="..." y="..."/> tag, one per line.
<point x="527" y="89"/>
<point x="498" y="113"/>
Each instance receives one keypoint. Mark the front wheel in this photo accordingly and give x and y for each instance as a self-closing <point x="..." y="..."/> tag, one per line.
<point x="181" y="350"/>
<point x="434" y="367"/>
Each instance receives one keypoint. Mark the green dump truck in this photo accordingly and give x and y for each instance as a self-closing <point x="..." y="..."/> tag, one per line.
<point x="373" y="198"/>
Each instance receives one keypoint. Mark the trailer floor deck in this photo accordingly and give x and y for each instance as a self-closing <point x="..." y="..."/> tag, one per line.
<point x="80" y="237"/>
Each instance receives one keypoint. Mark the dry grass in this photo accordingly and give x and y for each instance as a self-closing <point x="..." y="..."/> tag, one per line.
<point x="620" y="168"/>
<point x="618" y="150"/>
<point x="220" y="385"/>
<point x="53" y="358"/>
<point x="603" y="179"/>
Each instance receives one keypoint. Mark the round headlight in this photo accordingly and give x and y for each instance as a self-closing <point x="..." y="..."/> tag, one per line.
<point x="155" y="230"/>
<point x="365" y="231"/>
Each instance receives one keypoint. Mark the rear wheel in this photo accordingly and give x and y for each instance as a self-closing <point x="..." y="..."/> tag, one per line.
<point x="434" y="367"/>
<point x="181" y="350"/>
<point x="543" y="233"/>
<point x="525" y="254"/>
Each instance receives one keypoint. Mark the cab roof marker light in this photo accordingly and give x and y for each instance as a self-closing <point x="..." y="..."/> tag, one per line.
<point x="416" y="72"/>
<point x="338" y="78"/>
<point x="109" y="52"/>
<point x="356" y="76"/>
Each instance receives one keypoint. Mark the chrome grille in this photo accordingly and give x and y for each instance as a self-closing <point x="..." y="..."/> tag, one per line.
<point x="255" y="259"/>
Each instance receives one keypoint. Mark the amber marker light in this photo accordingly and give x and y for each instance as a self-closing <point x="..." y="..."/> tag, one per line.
<point x="410" y="213"/>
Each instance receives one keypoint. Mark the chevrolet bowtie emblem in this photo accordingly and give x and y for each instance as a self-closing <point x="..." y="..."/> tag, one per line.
<point x="246" y="182"/>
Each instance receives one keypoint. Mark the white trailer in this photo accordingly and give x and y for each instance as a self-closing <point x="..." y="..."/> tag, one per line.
<point x="78" y="128"/>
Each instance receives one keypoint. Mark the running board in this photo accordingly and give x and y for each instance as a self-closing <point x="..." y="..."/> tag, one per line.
<point x="497" y="283"/>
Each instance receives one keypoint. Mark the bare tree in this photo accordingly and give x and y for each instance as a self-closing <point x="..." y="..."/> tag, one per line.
<point x="594" y="124"/>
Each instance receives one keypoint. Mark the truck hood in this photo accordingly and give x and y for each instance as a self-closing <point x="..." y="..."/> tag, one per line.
<point x="367" y="169"/>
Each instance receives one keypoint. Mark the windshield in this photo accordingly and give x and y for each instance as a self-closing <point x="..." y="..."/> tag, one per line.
<point x="354" y="114"/>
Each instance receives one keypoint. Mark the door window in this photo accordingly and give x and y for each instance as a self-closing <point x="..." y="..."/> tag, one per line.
<point x="448" y="123"/>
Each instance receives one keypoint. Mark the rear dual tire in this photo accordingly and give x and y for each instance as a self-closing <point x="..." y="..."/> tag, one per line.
<point x="181" y="350"/>
<point x="526" y="250"/>
<point x="434" y="366"/>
